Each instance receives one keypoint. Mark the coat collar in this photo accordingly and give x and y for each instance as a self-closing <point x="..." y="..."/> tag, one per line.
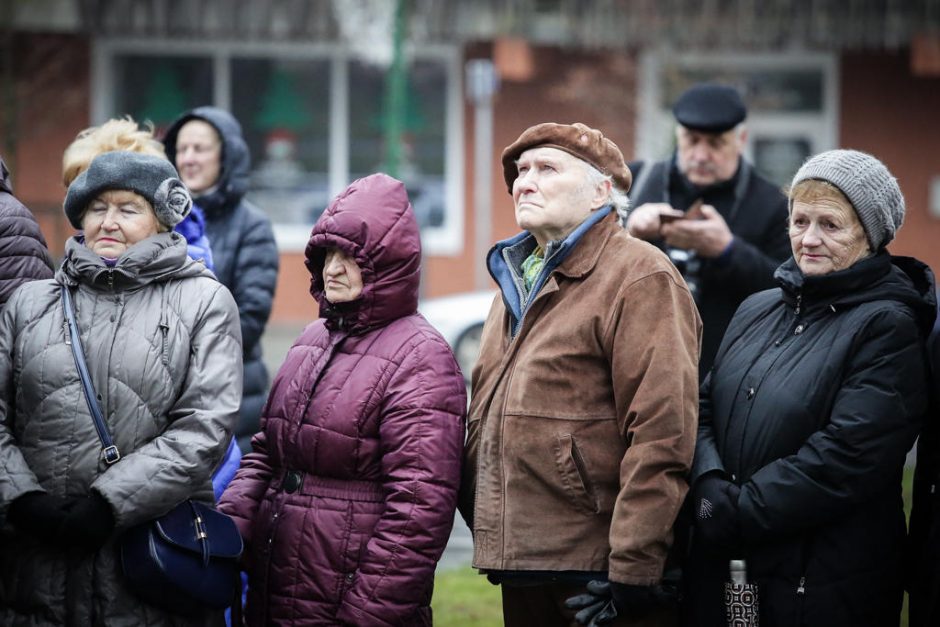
<point x="585" y="256"/>
<point x="154" y="259"/>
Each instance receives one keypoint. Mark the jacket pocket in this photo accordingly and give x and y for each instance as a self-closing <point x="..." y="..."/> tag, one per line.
<point x="573" y="471"/>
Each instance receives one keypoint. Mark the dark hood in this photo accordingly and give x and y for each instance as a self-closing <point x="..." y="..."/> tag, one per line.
<point x="5" y="185"/>
<point x="373" y="222"/>
<point x="236" y="160"/>
<point x="879" y="277"/>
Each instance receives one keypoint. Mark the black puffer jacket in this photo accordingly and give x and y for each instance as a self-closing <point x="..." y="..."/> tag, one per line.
<point x="243" y="250"/>
<point x="23" y="253"/>
<point x="816" y="395"/>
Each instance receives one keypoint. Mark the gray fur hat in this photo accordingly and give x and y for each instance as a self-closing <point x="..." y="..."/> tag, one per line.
<point x="154" y="178"/>
<point x="868" y="185"/>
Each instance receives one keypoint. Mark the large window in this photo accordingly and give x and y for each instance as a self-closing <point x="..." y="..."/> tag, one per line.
<point x="314" y="118"/>
<point x="791" y="99"/>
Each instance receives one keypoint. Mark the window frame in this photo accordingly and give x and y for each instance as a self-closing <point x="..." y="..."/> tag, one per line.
<point x="655" y="123"/>
<point x="447" y="240"/>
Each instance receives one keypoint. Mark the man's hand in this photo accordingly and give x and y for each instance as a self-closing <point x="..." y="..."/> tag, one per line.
<point x="605" y="600"/>
<point x="644" y="221"/>
<point x="708" y="236"/>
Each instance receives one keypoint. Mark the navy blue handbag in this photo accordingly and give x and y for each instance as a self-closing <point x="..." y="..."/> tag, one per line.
<point x="186" y="561"/>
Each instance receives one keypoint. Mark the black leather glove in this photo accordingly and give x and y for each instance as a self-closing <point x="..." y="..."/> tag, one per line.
<point x="89" y="524"/>
<point x="40" y="514"/>
<point x="717" y="523"/>
<point x="605" y="600"/>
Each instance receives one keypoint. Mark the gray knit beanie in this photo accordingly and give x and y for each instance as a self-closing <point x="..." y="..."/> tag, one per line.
<point x="868" y="185"/>
<point x="154" y="178"/>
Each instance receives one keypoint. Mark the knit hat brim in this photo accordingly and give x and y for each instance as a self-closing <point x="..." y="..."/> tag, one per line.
<point x="153" y="178"/>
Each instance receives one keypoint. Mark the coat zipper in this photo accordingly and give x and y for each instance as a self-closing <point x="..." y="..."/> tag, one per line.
<point x="801" y="586"/>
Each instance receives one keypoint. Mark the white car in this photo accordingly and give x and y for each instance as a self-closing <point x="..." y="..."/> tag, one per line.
<point x="459" y="318"/>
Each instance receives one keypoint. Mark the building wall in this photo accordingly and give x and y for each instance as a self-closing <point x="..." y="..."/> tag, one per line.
<point x="889" y="112"/>
<point x="594" y="88"/>
<point x="51" y="83"/>
<point x="53" y="96"/>
<point x="564" y="86"/>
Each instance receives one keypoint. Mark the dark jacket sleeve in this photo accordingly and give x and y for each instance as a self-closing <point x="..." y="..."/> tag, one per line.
<point x="707" y="458"/>
<point x="23" y="253"/>
<point x="749" y="266"/>
<point x="255" y="276"/>
<point x="875" y="417"/>
<point x="421" y="438"/>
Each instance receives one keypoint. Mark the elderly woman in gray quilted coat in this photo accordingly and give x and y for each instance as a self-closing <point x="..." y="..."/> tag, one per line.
<point x="163" y="347"/>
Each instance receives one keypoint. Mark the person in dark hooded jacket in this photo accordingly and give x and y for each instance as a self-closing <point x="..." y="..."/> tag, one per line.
<point x="208" y="149"/>
<point x="23" y="253"/>
<point x="348" y="496"/>
<point x="817" y="393"/>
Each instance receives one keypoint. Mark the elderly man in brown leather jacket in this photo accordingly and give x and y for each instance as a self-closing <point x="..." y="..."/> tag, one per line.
<point x="584" y="400"/>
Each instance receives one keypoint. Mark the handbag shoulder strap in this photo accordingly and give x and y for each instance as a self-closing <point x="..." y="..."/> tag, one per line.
<point x="108" y="450"/>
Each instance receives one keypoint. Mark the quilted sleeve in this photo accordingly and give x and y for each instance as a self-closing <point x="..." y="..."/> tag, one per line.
<point x="16" y="477"/>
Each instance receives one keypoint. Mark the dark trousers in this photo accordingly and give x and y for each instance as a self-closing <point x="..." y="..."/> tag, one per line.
<point x="544" y="605"/>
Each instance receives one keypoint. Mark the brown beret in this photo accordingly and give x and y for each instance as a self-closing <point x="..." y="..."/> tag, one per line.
<point x="584" y="142"/>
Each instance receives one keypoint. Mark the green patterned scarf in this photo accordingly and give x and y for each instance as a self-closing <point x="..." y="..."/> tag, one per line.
<point x="532" y="266"/>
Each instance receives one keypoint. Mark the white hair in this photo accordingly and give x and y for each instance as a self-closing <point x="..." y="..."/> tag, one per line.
<point x="616" y="196"/>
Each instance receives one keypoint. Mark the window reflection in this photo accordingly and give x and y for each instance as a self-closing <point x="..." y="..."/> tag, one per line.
<point x="421" y="157"/>
<point x="283" y="106"/>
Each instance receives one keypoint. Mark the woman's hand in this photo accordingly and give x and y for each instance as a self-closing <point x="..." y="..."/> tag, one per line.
<point x="89" y="523"/>
<point x="40" y="514"/>
<point x="64" y="521"/>
<point x="717" y="523"/>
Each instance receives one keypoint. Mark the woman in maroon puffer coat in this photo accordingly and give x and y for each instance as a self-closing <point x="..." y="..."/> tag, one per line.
<point x="348" y="496"/>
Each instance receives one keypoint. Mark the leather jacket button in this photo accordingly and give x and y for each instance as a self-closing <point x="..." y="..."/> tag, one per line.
<point x="799" y="329"/>
<point x="750" y="393"/>
<point x="292" y="481"/>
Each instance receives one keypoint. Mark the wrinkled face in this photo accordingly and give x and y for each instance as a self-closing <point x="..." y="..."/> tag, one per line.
<point x="342" y="279"/>
<point x="709" y="158"/>
<point x="116" y="220"/>
<point x="553" y="193"/>
<point x="198" y="155"/>
<point x="826" y="236"/>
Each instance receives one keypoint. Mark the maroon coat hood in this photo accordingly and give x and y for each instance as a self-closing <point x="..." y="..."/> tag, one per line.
<point x="373" y="222"/>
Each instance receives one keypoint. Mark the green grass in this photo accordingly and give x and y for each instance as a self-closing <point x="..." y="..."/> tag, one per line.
<point x="462" y="598"/>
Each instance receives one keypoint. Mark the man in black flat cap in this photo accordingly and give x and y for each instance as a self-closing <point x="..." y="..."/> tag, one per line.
<point x="722" y="224"/>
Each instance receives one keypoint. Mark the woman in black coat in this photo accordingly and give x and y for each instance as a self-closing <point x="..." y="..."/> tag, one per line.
<point x="207" y="147"/>
<point x="818" y="392"/>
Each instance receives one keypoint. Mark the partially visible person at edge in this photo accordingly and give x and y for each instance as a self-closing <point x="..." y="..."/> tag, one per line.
<point x="722" y="223"/>
<point x="207" y="147"/>
<point x="923" y="564"/>
<point x="583" y="412"/>
<point x="23" y="253"/>
<point x="348" y="496"/>
<point x="816" y="395"/>
<point x="161" y="341"/>
<point x="125" y="134"/>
